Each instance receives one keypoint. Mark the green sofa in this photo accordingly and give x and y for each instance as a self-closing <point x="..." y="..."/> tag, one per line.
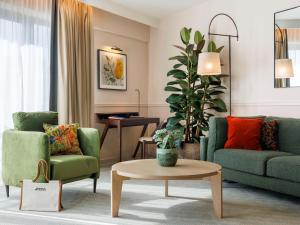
<point x="25" y="145"/>
<point x="272" y="170"/>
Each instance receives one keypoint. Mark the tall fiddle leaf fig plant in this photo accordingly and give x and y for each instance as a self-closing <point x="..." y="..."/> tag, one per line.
<point x="193" y="97"/>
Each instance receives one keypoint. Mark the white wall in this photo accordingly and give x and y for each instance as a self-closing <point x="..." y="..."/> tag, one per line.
<point x="133" y="38"/>
<point x="252" y="55"/>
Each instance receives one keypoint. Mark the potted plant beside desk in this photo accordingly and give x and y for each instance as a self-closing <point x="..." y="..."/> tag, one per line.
<point x="194" y="98"/>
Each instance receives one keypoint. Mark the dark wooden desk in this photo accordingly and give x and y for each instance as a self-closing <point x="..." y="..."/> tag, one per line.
<point x="120" y="120"/>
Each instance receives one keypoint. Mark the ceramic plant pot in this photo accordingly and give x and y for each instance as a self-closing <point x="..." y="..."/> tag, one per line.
<point x="190" y="151"/>
<point x="167" y="157"/>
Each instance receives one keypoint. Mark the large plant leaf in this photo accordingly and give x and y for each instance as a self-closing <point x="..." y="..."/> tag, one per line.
<point x="179" y="47"/>
<point x="175" y="98"/>
<point x="194" y="59"/>
<point x="215" y="92"/>
<point x="176" y="66"/>
<point x="173" y="122"/>
<point x="176" y="71"/>
<point x="211" y="47"/>
<point x="219" y="105"/>
<point x="180" y="58"/>
<point x="220" y="87"/>
<point x="198" y="37"/>
<point x="174" y="82"/>
<point x="219" y="49"/>
<point x="180" y="115"/>
<point x="180" y="75"/>
<point x="190" y="48"/>
<point x="185" y="35"/>
<point x="170" y="88"/>
<point x="200" y="45"/>
<point x="183" y="84"/>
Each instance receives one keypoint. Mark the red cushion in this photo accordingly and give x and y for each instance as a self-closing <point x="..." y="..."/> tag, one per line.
<point x="244" y="133"/>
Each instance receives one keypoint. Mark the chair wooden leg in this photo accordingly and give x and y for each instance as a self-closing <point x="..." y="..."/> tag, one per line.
<point x="7" y="190"/>
<point x="142" y="150"/>
<point x="95" y="184"/>
<point x="145" y="149"/>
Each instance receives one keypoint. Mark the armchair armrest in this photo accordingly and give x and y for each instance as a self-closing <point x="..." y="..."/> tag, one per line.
<point x="203" y="147"/>
<point x="21" y="152"/>
<point x="89" y="140"/>
<point x="217" y="136"/>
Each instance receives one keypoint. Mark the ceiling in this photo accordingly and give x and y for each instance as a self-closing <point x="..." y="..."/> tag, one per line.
<point x="145" y="11"/>
<point x="157" y="8"/>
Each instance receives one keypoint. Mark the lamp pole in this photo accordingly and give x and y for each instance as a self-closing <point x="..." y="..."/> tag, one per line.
<point x="230" y="36"/>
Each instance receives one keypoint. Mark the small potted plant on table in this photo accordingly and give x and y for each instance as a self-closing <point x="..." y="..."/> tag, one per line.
<point x="168" y="143"/>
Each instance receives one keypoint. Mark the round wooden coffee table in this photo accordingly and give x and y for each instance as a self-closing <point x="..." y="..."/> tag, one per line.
<point x="149" y="169"/>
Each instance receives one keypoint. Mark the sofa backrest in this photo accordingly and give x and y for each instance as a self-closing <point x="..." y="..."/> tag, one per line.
<point x="33" y="121"/>
<point x="217" y="136"/>
<point x="288" y="134"/>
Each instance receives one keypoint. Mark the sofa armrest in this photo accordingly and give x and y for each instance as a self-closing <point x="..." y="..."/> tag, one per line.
<point x="89" y="140"/>
<point x="217" y="136"/>
<point x="21" y="152"/>
<point x="203" y="147"/>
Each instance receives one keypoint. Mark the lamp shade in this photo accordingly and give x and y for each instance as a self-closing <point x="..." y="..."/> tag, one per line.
<point x="209" y="63"/>
<point x="284" y="68"/>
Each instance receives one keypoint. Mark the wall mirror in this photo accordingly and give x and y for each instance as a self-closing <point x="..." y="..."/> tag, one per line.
<point x="287" y="48"/>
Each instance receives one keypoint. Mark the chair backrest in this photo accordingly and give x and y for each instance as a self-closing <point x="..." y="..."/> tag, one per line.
<point x="33" y="121"/>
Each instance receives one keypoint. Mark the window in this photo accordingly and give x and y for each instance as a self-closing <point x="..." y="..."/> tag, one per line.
<point x="25" y="33"/>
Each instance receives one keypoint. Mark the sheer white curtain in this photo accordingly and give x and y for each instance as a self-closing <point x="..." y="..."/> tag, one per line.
<point x="294" y="53"/>
<point x="25" y="33"/>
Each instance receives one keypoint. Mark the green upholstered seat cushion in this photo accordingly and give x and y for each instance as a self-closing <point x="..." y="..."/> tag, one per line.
<point x="33" y="121"/>
<point x="64" y="167"/>
<point x="249" y="161"/>
<point x="288" y="134"/>
<point x="285" y="167"/>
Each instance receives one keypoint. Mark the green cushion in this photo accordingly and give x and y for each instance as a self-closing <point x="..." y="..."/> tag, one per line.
<point x="64" y="167"/>
<point x="285" y="167"/>
<point x="249" y="161"/>
<point x="288" y="134"/>
<point x="33" y="121"/>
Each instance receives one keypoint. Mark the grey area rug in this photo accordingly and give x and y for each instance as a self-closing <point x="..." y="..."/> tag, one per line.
<point x="143" y="203"/>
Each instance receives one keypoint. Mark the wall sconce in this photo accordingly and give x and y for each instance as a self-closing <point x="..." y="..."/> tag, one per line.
<point x="116" y="48"/>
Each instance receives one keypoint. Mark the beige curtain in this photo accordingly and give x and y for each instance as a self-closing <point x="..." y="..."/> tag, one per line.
<point x="74" y="47"/>
<point x="281" y="44"/>
<point x="281" y="52"/>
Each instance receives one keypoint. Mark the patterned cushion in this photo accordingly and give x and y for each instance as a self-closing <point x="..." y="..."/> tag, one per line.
<point x="63" y="139"/>
<point x="269" y="138"/>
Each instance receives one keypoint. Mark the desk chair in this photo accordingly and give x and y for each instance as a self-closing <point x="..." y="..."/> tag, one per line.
<point x="149" y="140"/>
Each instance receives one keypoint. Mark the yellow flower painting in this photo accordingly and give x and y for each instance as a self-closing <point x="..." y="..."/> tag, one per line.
<point x="112" y="70"/>
<point x="119" y="69"/>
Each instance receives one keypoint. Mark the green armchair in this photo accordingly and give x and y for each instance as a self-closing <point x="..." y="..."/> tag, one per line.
<point x="24" y="146"/>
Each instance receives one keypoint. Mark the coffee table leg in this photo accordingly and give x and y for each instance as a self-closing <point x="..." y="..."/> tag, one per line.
<point x="216" y="187"/>
<point x="166" y="188"/>
<point x="116" y="191"/>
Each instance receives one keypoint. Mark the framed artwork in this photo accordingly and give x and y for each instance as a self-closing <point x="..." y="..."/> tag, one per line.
<point x="112" y="70"/>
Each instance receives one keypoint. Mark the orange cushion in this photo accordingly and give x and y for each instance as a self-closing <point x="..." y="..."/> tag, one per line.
<point x="244" y="133"/>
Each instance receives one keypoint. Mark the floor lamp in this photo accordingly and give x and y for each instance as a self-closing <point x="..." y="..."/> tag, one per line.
<point x="229" y="36"/>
